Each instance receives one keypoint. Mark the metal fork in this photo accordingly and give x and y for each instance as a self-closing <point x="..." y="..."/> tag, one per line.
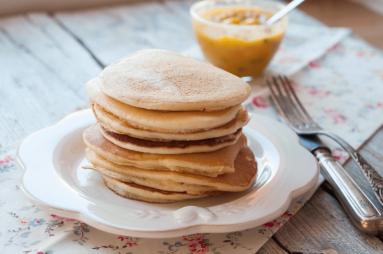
<point x="293" y="112"/>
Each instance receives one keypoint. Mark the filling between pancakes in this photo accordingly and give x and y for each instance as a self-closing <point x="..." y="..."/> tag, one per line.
<point x="174" y="143"/>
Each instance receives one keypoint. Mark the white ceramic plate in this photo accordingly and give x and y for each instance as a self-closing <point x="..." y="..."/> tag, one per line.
<point x="54" y="178"/>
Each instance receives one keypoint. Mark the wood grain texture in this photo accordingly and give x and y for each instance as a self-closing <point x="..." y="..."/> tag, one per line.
<point x="322" y="226"/>
<point x="22" y="6"/>
<point x="114" y="32"/>
<point x="271" y="247"/>
<point x="117" y="31"/>
<point x="344" y="13"/>
<point x="43" y="72"/>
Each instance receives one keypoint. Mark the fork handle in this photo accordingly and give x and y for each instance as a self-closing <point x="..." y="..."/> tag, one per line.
<point x="373" y="177"/>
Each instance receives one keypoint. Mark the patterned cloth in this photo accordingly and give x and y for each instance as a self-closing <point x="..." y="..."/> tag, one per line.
<point x="338" y="77"/>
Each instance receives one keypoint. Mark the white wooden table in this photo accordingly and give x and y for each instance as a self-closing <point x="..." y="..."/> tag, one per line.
<point x="46" y="58"/>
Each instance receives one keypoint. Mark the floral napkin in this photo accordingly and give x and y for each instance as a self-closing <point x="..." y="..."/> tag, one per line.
<point x="338" y="77"/>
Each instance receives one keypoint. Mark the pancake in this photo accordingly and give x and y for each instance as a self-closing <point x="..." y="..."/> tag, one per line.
<point x="117" y="125"/>
<point x="170" y="147"/>
<point x="161" y="121"/>
<point x="165" y="184"/>
<point x="163" y="80"/>
<point x="210" y="164"/>
<point x="135" y="191"/>
<point x="241" y="179"/>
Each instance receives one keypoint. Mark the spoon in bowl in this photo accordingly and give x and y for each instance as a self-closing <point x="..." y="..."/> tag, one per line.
<point x="281" y="13"/>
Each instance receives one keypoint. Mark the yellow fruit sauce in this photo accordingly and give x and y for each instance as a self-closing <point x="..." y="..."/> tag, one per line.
<point x="235" y="39"/>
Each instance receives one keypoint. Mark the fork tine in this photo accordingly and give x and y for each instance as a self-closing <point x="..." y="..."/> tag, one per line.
<point x="283" y="104"/>
<point x="292" y="113"/>
<point x="294" y="98"/>
<point x="275" y="98"/>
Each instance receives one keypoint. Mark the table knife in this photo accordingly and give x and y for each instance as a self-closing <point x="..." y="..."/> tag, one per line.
<point x="361" y="210"/>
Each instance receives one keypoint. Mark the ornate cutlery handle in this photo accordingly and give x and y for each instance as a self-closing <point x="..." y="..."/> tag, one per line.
<point x="373" y="177"/>
<point x="358" y="206"/>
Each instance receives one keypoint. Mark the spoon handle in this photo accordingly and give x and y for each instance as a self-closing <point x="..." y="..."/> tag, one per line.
<point x="277" y="16"/>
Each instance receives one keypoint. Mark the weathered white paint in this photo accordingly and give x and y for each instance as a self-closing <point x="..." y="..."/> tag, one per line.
<point x="43" y="70"/>
<point x="21" y="6"/>
<point x="114" y="32"/>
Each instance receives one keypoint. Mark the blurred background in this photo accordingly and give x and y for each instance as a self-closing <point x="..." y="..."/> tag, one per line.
<point x="365" y="17"/>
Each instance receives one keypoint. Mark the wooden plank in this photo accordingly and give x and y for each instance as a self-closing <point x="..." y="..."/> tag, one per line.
<point x="364" y="22"/>
<point x="321" y="226"/>
<point x="114" y="32"/>
<point x="271" y="247"/>
<point x="22" y="6"/>
<point x="43" y="72"/>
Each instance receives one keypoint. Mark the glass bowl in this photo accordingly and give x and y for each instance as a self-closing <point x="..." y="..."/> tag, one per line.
<point x="244" y="50"/>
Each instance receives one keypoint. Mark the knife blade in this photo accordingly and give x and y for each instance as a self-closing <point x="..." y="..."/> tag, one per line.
<point x="357" y="205"/>
<point x="312" y="143"/>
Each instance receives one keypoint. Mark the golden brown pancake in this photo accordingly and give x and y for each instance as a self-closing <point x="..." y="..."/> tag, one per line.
<point x="241" y="179"/>
<point x="171" y="147"/>
<point x="164" y="185"/>
<point x="115" y="124"/>
<point x="163" y="80"/>
<point x="172" y="143"/>
<point x="138" y="192"/>
<point x="210" y="164"/>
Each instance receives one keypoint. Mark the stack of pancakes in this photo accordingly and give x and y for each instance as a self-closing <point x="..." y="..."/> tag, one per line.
<point x="169" y="128"/>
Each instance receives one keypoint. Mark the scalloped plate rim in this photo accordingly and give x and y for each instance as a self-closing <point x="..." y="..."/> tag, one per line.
<point x="180" y="230"/>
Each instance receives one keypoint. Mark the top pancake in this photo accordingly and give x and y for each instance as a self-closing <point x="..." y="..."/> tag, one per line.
<point x="163" y="80"/>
